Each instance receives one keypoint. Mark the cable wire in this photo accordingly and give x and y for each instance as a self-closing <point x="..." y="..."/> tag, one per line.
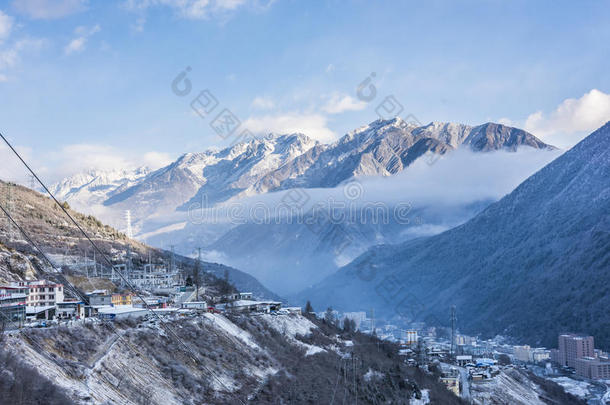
<point x="188" y="350"/>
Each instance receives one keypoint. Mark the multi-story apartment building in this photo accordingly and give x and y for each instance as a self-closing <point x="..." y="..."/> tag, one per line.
<point x="593" y="368"/>
<point x="121" y="299"/>
<point x="540" y="355"/>
<point x="573" y="347"/>
<point x="12" y="304"/>
<point x="43" y="293"/>
<point x="523" y="353"/>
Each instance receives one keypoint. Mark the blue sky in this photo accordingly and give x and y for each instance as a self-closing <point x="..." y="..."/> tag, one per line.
<point x="89" y="82"/>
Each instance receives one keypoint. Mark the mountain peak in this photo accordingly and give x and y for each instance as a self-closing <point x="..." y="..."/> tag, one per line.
<point x="553" y="227"/>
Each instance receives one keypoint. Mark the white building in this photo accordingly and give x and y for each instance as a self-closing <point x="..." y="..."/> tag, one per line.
<point x="462" y="360"/>
<point x="411" y="337"/>
<point x="523" y="353"/>
<point x="251" y="306"/>
<point x="541" y="354"/>
<point x="195" y="305"/>
<point x="43" y="293"/>
<point x="70" y="310"/>
<point x="122" y="312"/>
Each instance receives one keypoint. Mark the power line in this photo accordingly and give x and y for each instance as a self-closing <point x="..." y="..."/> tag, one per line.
<point x="59" y="275"/>
<point x="75" y="291"/>
<point x="188" y="350"/>
<point x="453" y="321"/>
<point x="9" y="207"/>
<point x="104" y="256"/>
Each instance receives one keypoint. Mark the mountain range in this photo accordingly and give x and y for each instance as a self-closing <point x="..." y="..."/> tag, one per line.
<point x="532" y="265"/>
<point x="162" y="201"/>
<point x="279" y="162"/>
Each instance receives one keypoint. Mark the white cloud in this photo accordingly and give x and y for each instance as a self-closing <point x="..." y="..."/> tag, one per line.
<point x="49" y="9"/>
<point x="446" y="192"/>
<point x="507" y="121"/>
<point x="155" y="160"/>
<point x="572" y="119"/>
<point x="263" y="103"/>
<point x="460" y="177"/>
<point x="338" y="104"/>
<point x="76" y="45"/>
<point x="76" y="158"/>
<point x="190" y="9"/>
<point x="312" y="125"/>
<point x="195" y="9"/>
<point x="12" y="168"/>
<point x="6" y="26"/>
<point x="79" y="43"/>
<point x="10" y="56"/>
<point x="139" y="24"/>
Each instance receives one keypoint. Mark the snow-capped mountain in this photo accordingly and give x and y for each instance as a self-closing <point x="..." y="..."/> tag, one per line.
<point x="383" y="148"/>
<point x="531" y="265"/>
<point x="96" y="185"/>
<point x="280" y="162"/>
<point x="87" y="191"/>
<point x="161" y="201"/>
<point x="216" y="175"/>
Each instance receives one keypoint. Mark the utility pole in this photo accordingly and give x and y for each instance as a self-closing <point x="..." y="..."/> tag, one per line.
<point x="33" y="182"/>
<point x="9" y="208"/>
<point x="128" y="220"/>
<point x="128" y="263"/>
<point x="197" y="274"/>
<point x="354" y="371"/>
<point x="453" y="321"/>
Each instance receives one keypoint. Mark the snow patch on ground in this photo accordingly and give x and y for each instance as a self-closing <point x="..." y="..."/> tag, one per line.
<point x="292" y="326"/>
<point x="313" y="350"/>
<point x="574" y="387"/>
<point x="102" y="382"/>
<point x="223" y="383"/>
<point x="425" y="399"/>
<point x="508" y="387"/>
<point x="231" y="329"/>
<point x="372" y="375"/>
